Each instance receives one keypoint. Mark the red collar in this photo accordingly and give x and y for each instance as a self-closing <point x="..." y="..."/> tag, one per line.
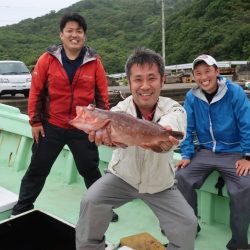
<point x="149" y="117"/>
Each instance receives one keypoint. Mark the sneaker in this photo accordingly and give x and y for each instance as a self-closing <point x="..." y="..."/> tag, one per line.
<point x="125" y="248"/>
<point x="115" y="217"/>
<point x="198" y="228"/>
<point x="17" y="211"/>
<point x="110" y="246"/>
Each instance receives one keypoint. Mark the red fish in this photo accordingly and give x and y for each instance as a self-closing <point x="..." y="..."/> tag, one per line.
<point x="125" y="130"/>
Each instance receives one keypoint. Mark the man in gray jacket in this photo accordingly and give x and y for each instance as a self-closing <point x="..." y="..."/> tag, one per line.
<point x="136" y="172"/>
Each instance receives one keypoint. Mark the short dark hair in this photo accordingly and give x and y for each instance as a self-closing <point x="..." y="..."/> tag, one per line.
<point x="143" y="56"/>
<point x="73" y="17"/>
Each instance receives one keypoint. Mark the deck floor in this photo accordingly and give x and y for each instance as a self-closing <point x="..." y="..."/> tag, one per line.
<point x="62" y="200"/>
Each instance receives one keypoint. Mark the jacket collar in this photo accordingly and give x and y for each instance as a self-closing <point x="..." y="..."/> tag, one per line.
<point x="222" y="83"/>
<point x="55" y="50"/>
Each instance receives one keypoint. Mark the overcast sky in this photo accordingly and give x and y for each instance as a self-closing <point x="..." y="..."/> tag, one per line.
<point x="14" y="11"/>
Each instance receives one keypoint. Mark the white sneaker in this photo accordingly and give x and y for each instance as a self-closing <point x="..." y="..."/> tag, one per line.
<point x="12" y="216"/>
<point x="125" y="248"/>
<point x="110" y="246"/>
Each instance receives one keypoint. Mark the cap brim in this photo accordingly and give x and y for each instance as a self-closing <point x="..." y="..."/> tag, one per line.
<point x="201" y="60"/>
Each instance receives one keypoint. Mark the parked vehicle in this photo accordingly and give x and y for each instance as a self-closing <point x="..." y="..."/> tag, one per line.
<point x="15" y="78"/>
<point x="247" y="84"/>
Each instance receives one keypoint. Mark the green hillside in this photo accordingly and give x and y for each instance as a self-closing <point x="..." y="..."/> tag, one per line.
<point x="217" y="27"/>
<point x="115" y="27"/>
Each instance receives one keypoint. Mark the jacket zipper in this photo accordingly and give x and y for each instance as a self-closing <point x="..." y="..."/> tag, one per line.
<point x="211" y="131"/>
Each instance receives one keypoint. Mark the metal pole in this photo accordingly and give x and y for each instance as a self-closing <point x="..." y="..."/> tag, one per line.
<point x="163" y="30"/>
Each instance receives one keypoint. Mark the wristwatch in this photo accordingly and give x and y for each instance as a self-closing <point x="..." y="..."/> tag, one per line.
<point x="247" y="157"/>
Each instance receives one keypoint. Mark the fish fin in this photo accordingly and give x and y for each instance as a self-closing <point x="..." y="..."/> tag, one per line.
<point x="79" y="111"/>
<point x="91" y="107"/>
<point x="125" y="113"/>
<point x="159" y="125"/>
<point x="177" y="134"/>
<point x="155" y="148"/>
<point x="120" y="145"/>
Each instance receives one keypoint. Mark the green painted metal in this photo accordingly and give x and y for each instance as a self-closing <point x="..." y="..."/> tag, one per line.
<point x="21" y="159"/>
<point x="6" y="214"/>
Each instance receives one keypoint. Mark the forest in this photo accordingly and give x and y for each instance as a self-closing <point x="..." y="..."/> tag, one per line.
<point x="115" y="27"/>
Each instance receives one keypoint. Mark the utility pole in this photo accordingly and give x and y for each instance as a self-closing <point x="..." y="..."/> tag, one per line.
<point x="163" y="30"/>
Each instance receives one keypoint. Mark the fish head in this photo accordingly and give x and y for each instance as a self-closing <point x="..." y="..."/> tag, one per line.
<point x="89" y="118"/>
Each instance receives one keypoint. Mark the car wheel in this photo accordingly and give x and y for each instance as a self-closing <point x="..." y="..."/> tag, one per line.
<point x="13" y="94"/>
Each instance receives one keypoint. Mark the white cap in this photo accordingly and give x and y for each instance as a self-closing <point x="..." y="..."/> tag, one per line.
<point x="209" y="60"/>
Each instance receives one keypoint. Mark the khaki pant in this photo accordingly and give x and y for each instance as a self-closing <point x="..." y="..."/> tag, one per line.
<point x="176" y="217"/>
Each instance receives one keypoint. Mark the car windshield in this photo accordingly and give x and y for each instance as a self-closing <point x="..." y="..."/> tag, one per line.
<point x="13" y="68"/>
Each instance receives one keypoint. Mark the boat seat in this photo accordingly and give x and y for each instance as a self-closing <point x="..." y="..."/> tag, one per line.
<point x="212" y="208"/>
<point x="213" y="205"/>
<point x="7" y="200"/>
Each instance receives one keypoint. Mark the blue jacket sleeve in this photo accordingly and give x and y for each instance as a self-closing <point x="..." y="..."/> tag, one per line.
<point x="242" y="114"/>
<point x="187" y="146"/>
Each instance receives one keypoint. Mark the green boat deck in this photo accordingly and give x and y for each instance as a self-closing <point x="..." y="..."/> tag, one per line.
<point x="62" y="200"/>
<point x="64" y="189"/>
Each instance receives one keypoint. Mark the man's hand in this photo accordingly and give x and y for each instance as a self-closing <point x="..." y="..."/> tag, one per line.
<point x="36" y="132"/>
<point x="182" y="163"/>
<point x="159" y="147"/>
<point x="162" y="146"/>
<point x="242" y="167"/>
<point x="172" y="139"/>
<point x="102" y="136"/>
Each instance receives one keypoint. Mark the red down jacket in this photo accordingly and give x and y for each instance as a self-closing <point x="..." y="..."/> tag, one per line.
<point x="54" y="99"/>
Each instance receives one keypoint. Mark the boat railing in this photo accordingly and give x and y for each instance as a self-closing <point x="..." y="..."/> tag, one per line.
<point x="15" y="152"/>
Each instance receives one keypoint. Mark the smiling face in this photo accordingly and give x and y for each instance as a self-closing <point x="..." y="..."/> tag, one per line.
<point x="206" y="77"/>
<point x="145" y="84"/>
<point x="72" y="37"/>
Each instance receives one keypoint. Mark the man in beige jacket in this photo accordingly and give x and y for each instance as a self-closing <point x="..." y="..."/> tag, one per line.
<point x="136" y="172"/>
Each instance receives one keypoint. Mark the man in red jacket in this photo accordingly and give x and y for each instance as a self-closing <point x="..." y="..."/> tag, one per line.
<point x="64" y="77"/>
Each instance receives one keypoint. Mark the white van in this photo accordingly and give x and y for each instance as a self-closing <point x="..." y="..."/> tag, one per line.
<point x="15" y="78"/>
